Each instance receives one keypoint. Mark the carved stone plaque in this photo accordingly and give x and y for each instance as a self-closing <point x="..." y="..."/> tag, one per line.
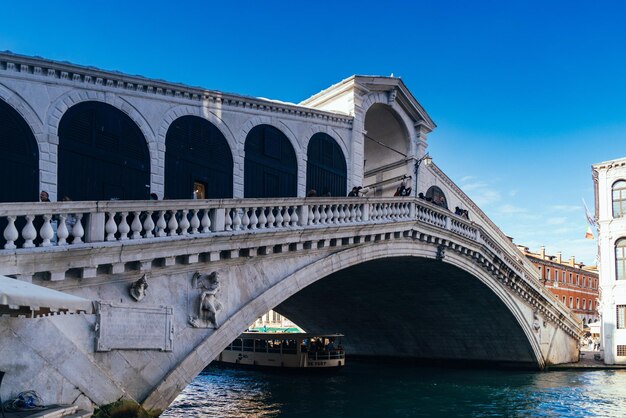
<point x="124" y="327"/>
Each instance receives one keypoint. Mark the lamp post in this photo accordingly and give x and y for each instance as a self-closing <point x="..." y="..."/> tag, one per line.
<point x="426" y="159"/>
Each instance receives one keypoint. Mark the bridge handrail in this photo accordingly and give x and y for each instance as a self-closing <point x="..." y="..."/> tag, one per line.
<point x="49" y="224"/>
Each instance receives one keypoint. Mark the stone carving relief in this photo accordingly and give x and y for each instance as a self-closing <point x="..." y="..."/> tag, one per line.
<point x="138" y="289"/>
<point x="207" y="305"/>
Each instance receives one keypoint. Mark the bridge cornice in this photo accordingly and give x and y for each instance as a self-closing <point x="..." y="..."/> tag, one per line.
<point x="48" y="71"/>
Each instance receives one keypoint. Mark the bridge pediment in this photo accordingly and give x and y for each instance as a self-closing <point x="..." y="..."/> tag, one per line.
<point x="355" y="94"/>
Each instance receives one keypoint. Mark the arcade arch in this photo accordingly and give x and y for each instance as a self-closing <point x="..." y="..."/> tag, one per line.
<point x="270" y="165"/>
<point x="387" y="147"/>
<point x="198" y="161"/>
<point x="19" y="157"/>
<point x="326" y="170"/>
<point x="103" y="155"/>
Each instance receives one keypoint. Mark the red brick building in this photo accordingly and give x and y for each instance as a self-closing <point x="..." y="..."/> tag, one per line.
<point x="575" y="284"/>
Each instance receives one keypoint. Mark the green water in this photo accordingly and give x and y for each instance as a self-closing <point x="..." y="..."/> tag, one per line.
<point x="370" y="390"/>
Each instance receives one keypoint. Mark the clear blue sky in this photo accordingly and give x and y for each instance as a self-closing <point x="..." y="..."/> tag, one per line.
<point x="527" y="95"/>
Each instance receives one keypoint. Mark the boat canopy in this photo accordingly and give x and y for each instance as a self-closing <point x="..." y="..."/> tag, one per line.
<point x="285" y="335"/>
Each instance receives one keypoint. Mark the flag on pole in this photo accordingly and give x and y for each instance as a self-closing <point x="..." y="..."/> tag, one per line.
<point x="589" y="234"/>
<point x="590" y="220"/>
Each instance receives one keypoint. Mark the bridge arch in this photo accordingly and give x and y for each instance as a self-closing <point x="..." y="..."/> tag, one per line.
<point x="322" y="269"/>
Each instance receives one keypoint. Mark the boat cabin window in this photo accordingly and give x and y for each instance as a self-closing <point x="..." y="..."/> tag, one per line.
<point x="273" y="346"/>
<point x="248" y="345"/>
<point x="290" y="346"/>
<point x="236" y="345"/>
<point x="260" y="346"/>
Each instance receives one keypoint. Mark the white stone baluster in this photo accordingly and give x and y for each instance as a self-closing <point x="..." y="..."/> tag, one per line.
<point x="123" y="228"/>
<point x="236" y="219"/>
<point x="228" y="221"/>
<point x="111" y="227"/>
<point x="358" y="213"/>
<point x="46" y="231"/>
<point x="342" y="214"/>
<point x="286" y="216"/>
<point x="136" y="226"/>
<point x="311" y="216"/>
<point x="172" y="224"/>
<point x="28" y="232"/>
<point x="353" y="213"/>
<point x="294" y="216"/>
<point x="78" y="231"/>
<point x="206" y="222"/>
<point x="245" y="219"/>
<point x="335" y="214"/>
<point x="329" y="214"/>
<point x="322" y="210"/>
<point x="161" y="224"/>
<point x="10" y="233"/>
<point x="262" y="218"/>
<point x="148" y="225"/>
<point x="62" y="232"/>
<point x="316" y="215"/>
<point x="184" y="223"/>
<point x="279" y="217"/>
<point x="254" y="220"/>
<point x="374" y="212"/>
<point x="270" y="217"/>
<point x="393" y="211"/>
<point x="195" y="221"/>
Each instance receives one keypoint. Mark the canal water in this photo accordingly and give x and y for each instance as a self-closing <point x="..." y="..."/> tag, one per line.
<point x="370" y="390"/>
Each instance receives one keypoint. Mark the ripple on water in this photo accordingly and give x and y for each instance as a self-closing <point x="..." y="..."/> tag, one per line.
<point x="368" y="390"/>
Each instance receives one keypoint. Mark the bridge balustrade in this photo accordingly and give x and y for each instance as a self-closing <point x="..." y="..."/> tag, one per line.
<point x="77" y="223"/>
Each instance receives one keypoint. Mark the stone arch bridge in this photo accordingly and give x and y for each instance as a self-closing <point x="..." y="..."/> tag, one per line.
<point x="401" y="277"/>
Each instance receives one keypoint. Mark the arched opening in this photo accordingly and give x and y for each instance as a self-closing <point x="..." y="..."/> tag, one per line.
<point x="386" y="149"/>
<point x="270" y="166"/>
<point x="620" y="259"/>
<point x="435" y="194"/>
<point x="326" y="170"/>
<point x="412" y="307"/>
<point x="619" y="199"/>
<point x="19" y="157"/>
<point x="102" y="155"/>
<point x="198" y="161"/>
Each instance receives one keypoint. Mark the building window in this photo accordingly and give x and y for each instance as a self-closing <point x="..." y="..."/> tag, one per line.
<point x="584" y="303"/>
<point x="621" y="316"/>
<point x="571" y="302"/>
<point x="563" y="300"/>
<point x="621" y="350"/>
<point x="556" y="275"/>
<point x="584" y="281"/>
<point x="591" y="305"/>
<point x="620" y="259"/>
<point x="548" y="273"/>
<point x="619" y="199"/>
<point x="577" y="303"/>
<point x="571" y="279"/>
